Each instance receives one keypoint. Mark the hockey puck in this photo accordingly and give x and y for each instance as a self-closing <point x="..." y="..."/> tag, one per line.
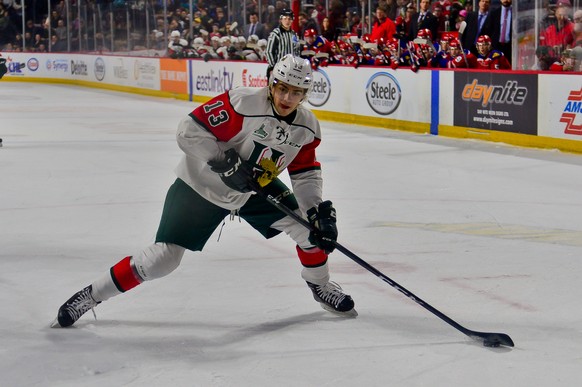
<point x="492" y="341"/>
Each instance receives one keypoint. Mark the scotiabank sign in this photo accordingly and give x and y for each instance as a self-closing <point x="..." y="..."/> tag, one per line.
<point x="497" y="101"/>
<point x="250" y="79"/>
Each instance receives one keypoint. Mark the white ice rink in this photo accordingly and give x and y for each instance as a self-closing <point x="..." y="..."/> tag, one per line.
<point x="489" y="234"/>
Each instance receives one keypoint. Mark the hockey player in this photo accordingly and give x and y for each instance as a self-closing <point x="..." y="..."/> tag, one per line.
<point x="178" y="46"/>
<point x="202" y="50"/>
<point x="315" y="48"/>
<point x="235" y="144"/>
<point x="460" y="59"/>
<point x="3" y="68"/>
<point x="489" y="58"/>
<point x="443" y="57"/>
<point x="262" y="49"/>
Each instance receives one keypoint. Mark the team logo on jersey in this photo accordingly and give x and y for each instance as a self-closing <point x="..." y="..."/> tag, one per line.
<point x="281" y="135"/>
<point x="261" y="133"/>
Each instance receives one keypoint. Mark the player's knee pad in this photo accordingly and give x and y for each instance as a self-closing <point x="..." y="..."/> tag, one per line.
<point x="158" y="260"/>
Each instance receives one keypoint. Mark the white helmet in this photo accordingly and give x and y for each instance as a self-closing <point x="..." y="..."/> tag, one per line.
<point x="294" y="71"/>
<point x="198" y="42"/>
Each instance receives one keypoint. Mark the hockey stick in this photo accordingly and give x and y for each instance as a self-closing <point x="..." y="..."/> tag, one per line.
<point x="488" y="339"/>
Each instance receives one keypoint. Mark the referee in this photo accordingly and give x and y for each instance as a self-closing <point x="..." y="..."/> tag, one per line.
<point x="282" y="40"/>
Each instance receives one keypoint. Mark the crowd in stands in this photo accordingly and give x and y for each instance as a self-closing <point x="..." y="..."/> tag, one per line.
<point x="439" y="33"/>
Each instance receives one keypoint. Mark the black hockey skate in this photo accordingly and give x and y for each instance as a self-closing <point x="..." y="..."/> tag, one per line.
<point x="74" y="308"/>
<point x="331" y="298"/>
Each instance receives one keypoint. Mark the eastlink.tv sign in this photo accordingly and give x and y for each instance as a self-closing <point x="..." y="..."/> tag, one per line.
<point x="383" y="93"/>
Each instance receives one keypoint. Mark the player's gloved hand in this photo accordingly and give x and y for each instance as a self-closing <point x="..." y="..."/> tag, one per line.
<point x="235" y="172"/>
<point x="324" y="220"/>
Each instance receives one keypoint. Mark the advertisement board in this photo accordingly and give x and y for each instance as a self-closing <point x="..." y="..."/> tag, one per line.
<point x="562" y="116"/>
<point x="500" y="101"/>
<point x="174" y="75"/>
<point x="141" y="73"/>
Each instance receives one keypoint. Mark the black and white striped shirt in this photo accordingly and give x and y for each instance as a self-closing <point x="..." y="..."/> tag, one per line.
<point x="280" y="43"/>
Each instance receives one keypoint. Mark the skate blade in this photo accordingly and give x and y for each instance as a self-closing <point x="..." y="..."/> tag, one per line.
<point x="55" y="324"/>
<point x="349" y="314"/>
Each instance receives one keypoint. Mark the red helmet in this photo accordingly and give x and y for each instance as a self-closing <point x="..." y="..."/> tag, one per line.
<point x="393" y="44"/>
<point x="309" y="33"/>
<point x="343" y="45"/>
<point x="484" y="39"/>
<point x="424" y="33"/>
<point x="483" y="45"/>
<point x="446" y="37"/>
<point x="366" y="38"/>
<point x="454" y="43"/>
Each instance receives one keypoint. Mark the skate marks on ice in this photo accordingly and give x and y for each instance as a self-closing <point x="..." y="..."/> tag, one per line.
<point x="496" y="230"/>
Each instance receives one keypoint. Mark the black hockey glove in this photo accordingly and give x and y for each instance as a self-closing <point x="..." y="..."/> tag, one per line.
<point x="323" y="219"/>
<point x="3" y="68"/>
<point x="235" y="172"/>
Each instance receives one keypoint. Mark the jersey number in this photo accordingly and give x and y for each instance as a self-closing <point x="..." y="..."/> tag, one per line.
<point x="218" y="118"/>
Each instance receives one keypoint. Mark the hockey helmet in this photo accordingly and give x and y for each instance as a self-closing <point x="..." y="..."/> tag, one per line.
<point x="310" y="33"/>
<point x="287" y="12"/>
<point x="294" y="71"/>
<point x="483" y="44"/>
<point x="484" y="39"/>
<point x="454" y="43"/>
<point x="424" y="34"/>
<point x="198" y="43"/>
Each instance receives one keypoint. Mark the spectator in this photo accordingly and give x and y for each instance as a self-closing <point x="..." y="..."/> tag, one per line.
<point x="498" y="28"/>
<point x="460" y="19"/>
<point x="577" y="28"/>
<point x="254" y="27"/>
<point x="423" y="19"/>
<point x="38" y="41"/>
<point x="57" y="45"/>
<point x="559" y="35"/>
<point x="270" y="18"/>
<point x="550" y="16"/>
<point x="327" y="30"/>
<point x="384" y="28"/>
<point x="7" y="28"/>
<point x="474" y="24"/>
<point x="220" y="18"/>
<point x="61" y="30"/>
<point x="406" y="34"/>
<point x="545" y="58"/>
<point x="306" y="23"/>
<point x="401" y="7"/>
<point x="282" y="40"/>
<point x="443" y="21"/>
<point x="566" y="62"/>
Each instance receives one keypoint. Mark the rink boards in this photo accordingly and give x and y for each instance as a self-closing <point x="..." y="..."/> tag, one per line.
<point x="517" y="107"/>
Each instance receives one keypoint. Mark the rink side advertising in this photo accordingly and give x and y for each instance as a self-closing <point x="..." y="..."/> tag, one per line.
<point x="517" y="107"/>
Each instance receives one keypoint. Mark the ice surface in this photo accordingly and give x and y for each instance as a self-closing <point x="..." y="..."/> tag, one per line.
<point x="489" y="234"/>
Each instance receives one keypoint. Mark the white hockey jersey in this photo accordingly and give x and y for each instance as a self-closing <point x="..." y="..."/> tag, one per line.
<point x="243" y="119"/>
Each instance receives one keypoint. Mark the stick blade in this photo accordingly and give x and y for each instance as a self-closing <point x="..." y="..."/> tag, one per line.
<point x="494" y="339"/>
